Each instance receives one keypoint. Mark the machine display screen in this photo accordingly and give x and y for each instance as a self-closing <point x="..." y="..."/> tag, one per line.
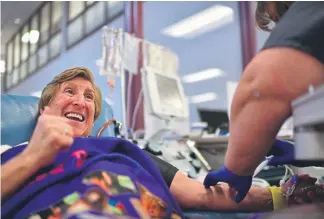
<point x="169" y="92"/>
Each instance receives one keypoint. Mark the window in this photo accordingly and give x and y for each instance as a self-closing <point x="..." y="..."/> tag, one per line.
<point x="17" y="50"/>
<point x="75" y="31"/>
<point x="55" y="45"/>
<point x="56" y="17"/>
<point x="97" y="11"/>
<point x="39" y="40"/>
<point x="25" y="37"/>
<point x="32" y="64"/>
<point x="114" y="8"/>
<point x="34" y="26"/>
<point x="23" y="70"/>
<point x="75" y="8"/>
<point x="9" y="81"/>
<point x="89" y="3"/>
<point x="89" y="16"/>
<point x="9" y="57"/>
<point x="45" y="23"/>
<point x="42" y="55"/>
<point x="15" y="76"/>
<point x="9" y="65"/>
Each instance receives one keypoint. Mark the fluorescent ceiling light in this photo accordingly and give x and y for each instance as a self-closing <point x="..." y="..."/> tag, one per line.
<point x="200" y="98"/>
<point x="200" y="23"/>
<point x="31" y="37"/>
<point x="203" y="75"/>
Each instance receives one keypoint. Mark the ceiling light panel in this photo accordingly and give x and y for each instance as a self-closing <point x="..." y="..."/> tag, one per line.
<point x="203" y="75"/>
<point x="205" y="21"/>
<point x="205" y="97"/>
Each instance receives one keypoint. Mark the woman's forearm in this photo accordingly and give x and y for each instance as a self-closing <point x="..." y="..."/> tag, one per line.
<point x="16" y="171"/>
<point x="192" y="194"/>
<point x="257" y="199"/>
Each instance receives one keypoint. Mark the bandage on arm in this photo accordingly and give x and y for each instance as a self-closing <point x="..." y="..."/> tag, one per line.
<point x="262" y="102"/>
<point x="279" y="201"/>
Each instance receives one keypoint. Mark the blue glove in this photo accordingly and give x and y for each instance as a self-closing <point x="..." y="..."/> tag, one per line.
<point x="284" y="153"/>
<point x="241" y="184"/>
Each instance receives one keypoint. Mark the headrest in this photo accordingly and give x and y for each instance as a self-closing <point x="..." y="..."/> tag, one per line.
<point x="19" y="115"/>
<point x="18" y="118"/>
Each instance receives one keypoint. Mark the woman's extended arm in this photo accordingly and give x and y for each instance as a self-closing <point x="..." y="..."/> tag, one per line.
<point x="192" y="194"/>
<point x="16" y="171"/>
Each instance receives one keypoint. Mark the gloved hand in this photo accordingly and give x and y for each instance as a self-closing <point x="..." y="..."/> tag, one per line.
<point x="284" y="153"/>
<point x="241" y="184"/>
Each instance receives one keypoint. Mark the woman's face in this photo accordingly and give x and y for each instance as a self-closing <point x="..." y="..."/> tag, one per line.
<point x="75" y="100"/>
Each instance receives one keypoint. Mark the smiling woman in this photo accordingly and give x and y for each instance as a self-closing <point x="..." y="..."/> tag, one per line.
<point x="73" y="101"/>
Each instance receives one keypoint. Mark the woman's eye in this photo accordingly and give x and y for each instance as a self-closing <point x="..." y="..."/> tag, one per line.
<point x="68" y="91"/>
<point x="89" y="97"/>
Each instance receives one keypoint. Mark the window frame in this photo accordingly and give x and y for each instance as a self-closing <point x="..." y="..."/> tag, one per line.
<point x="19" y="31"/>
<point x="62" y="30"/>
<point x="51" y="20"/>
<point x="84" y="34"/>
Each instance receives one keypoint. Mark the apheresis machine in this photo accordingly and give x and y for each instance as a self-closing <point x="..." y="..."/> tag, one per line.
<point x="166" y="111"/>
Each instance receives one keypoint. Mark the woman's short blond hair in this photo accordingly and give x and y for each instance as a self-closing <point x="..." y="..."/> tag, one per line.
<point x="50" y="90"/>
